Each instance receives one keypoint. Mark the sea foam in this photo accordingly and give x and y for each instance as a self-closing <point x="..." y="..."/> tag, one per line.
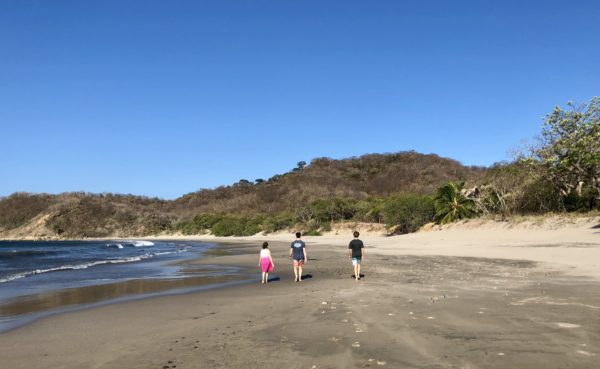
<point x="84" y="265"/>
<point x="142" y="243"/>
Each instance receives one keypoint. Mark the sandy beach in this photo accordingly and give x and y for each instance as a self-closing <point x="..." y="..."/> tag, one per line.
<point x="469" y="296"/>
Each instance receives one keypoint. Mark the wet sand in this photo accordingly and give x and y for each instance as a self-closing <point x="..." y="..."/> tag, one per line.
<point x="409" y="311"/>
<point x="194" y="276"/>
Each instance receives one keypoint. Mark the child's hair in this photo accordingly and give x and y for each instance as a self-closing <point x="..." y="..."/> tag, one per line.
<point x="265" y="245"/>
<point x="356" y="234"/>
<point x="298" y="234"/>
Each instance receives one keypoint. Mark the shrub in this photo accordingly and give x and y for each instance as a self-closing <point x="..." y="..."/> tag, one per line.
<point x="199" y="224"/>
<point x="313" y="232"/>
<point x="408" y="212"/>
<point x="370" y="210"/>
<point x="540" y="196"/>
<point x="332" y="209"/>
<point x="278" y="222"/>
<point x="230" y="225"/>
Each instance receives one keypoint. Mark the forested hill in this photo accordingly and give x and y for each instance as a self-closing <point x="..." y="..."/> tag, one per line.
<point x="356" y="178"/>
<point x="106" y="215"/>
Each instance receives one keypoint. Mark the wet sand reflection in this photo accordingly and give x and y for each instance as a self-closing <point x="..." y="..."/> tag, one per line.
<point x="93" y="294"/>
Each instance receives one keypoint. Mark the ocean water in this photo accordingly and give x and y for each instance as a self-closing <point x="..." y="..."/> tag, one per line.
<point x="40" y="277"/>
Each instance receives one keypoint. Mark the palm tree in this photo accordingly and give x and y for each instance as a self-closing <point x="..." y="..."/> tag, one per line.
<point x="451" y="205"/>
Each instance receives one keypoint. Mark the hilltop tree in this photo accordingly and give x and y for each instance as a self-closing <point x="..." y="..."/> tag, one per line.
<point x="244" y="182"/>
<point x="299" y="166"/>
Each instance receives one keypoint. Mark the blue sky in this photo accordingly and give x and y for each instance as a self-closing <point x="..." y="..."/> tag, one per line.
<point x="162" y="98"/>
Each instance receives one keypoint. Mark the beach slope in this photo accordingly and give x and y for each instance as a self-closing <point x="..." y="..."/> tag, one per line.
<point x="456" y="298"/>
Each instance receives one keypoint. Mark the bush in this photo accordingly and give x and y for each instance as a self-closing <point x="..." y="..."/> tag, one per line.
<point x="281" y="221"/>
<point x="200" y="224"/>
<point x="230" y="225"/>
<point x="313" y="232"/>
<point x="540" y="196"/>
<point x="585" y="202"/>
<point x="408" y="212"/>
<point x="370" y="210"/>
<point x="329" y="210"/>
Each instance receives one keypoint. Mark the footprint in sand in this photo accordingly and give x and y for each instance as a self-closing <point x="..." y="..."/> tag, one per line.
<point x="358" y="330"/>
<point x="344" y="320"/>
<point x="568" y="325"/>
<point x="585" y="353"/>
<point x="356" y="344"/>
<point x="335" y="339"/>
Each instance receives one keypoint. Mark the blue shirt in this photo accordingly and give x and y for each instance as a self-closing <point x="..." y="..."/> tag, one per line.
<point x="298" y="250"/>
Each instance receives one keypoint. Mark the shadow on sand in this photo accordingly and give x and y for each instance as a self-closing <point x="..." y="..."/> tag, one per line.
<point x="307" y="276"/>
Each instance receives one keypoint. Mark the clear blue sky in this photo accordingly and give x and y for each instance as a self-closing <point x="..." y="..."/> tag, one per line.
<point x="163" y="98"/>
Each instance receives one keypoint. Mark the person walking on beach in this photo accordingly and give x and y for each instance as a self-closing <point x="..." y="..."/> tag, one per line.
<point x="356" y="253"/>
<point x="298" y="255"/>
<point x="265" y="262"/>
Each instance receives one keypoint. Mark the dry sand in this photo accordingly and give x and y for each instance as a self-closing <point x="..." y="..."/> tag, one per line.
<point x="488" y="297"/>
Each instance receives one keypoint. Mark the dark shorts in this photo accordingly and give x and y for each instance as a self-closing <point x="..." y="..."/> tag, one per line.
<point x="298" y="262"/>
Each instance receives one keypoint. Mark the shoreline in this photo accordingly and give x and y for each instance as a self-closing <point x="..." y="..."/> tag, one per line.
<point x="22" y="310"/>
<point x="434" y="299"/>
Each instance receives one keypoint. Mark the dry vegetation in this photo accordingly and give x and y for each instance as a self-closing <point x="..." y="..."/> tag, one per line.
<point x="275" y="201"/>
<point x="356" y="178"/>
